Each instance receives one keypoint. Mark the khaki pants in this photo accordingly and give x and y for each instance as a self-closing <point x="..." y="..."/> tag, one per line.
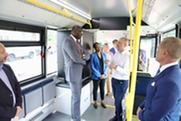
<point x="108" y="85"/>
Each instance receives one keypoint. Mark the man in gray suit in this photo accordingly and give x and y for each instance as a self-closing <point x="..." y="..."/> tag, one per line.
<point x="72" y="55"/>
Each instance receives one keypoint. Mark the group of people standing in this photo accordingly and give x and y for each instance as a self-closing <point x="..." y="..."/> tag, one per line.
<point x="163" y="100"/>
<point x="103" y="61"/>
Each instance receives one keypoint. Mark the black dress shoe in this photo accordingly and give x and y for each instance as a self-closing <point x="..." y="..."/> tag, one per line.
<point x="103" y="105"/>
<point x="95" y="105"/>
<point x="113" y="119"/>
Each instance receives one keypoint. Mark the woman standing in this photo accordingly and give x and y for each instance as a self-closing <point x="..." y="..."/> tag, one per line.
<point x="108" y="88"/>
<point x="99" y="73"/>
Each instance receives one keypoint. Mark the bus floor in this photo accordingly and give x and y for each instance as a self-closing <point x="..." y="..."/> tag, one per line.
<point x="91" y="114"/>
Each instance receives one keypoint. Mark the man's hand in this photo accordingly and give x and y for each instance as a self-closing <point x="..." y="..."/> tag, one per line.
<point x="19" y="109"/>
<point x="138" y="110"/>
<point x="81" y="55"/>
<point x="112" y="66"/>
<point x="107" y="62"/>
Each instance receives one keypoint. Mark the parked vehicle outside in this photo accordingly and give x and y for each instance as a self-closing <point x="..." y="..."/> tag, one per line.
<point x="21" y="52"/>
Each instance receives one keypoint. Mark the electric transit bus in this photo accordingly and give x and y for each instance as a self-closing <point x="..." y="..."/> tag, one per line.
<point x="33" y="31"/>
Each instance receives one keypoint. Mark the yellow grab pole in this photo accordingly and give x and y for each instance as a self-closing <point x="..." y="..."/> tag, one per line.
<point x="131" y="93"/>
<point x="128" y="96"/>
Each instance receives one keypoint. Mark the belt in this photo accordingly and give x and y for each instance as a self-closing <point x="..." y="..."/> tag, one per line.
<point x="120" y="80"/>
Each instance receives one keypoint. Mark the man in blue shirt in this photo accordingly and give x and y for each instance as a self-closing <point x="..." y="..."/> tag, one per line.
<point x="113" y="50"/>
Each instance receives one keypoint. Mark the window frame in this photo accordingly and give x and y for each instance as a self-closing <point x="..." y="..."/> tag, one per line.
<point x="170" y="31"/>
<point x="7" y="25"/>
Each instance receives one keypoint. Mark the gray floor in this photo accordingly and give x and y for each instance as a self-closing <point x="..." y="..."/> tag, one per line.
<point x="91" y="114"/>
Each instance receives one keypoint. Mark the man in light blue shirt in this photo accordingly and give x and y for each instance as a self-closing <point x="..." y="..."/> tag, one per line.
<point x="10" y="92"/>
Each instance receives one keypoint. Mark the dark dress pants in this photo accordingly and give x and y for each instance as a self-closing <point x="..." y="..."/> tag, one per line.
<point x="119" y="89"/>
<point x="98" y="83"/>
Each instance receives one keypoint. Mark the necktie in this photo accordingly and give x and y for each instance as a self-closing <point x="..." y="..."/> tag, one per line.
<point x="79" y="47"/>
<point x="158" y="72"/>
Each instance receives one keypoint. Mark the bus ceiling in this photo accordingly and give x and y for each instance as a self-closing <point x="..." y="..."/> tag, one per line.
<point x="64" y="13"/>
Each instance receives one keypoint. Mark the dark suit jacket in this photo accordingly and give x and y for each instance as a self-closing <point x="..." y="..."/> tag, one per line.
<point x="7" y="111"/>
<point x="163" y="99"/>
<point x="73" y="62"/>
<point x="112" y="50"/>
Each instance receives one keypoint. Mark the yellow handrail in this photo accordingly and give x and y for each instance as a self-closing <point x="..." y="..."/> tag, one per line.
<point x="63" y="12"/>
<point x="134" y="48"/>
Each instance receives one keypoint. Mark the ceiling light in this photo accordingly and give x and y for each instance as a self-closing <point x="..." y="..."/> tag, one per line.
<point x="72" y="8"/>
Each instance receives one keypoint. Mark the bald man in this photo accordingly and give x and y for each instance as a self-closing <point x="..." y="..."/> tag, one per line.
<point x="119" y="65"/>
<point x="163" y="98"/>
<point x="10" y="92"/>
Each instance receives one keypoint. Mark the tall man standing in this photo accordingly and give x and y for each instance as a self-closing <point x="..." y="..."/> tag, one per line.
<point x="10" y="92"/>
<point x="72" y="55"/>
<point x="120" y="75"/>
<point x="163" y="98"/>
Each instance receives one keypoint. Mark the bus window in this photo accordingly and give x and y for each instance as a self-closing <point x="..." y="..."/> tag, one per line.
<point x="171" y="33"/>
<point x="23" y="47"/>
<point x="148" y="46"/>
<point x="25" y="61"/>
<point x="51" y="51"/>
<point x="8" y="35"/>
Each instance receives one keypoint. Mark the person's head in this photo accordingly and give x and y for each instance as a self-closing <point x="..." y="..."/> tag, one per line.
<point x="97" y="47"/>
<point x="106" y="47"/>
<point x="3" y="53"/>
<point x="122" y="44"/>
<point x="169" y="50"/>
<point x="87" y="46"/>
<point x="115" y="43"/>
<point x="76" y="31"/>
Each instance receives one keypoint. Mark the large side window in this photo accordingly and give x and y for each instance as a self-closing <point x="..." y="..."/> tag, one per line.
<point x="24" y="44"/>
<point x="25" y="61"/>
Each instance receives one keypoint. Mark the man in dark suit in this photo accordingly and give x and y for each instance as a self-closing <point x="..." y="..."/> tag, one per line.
<point x="163" y="98"/>
<point x="10" y="92"/>
<point x="113" y="50"/>
<point x="72" y="54"/>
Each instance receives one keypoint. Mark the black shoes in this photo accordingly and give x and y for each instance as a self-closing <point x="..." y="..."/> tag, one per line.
<point x="95" y="105"/>
<point x="113" y="119"/>
<point x="103" y="105"/>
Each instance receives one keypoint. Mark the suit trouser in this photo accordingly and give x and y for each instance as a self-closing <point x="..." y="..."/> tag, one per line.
<point x="119" y="89"/>
<point x="75" y="99"/>
<point x="101" y="84"/>
<point x="5" y="119"/>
